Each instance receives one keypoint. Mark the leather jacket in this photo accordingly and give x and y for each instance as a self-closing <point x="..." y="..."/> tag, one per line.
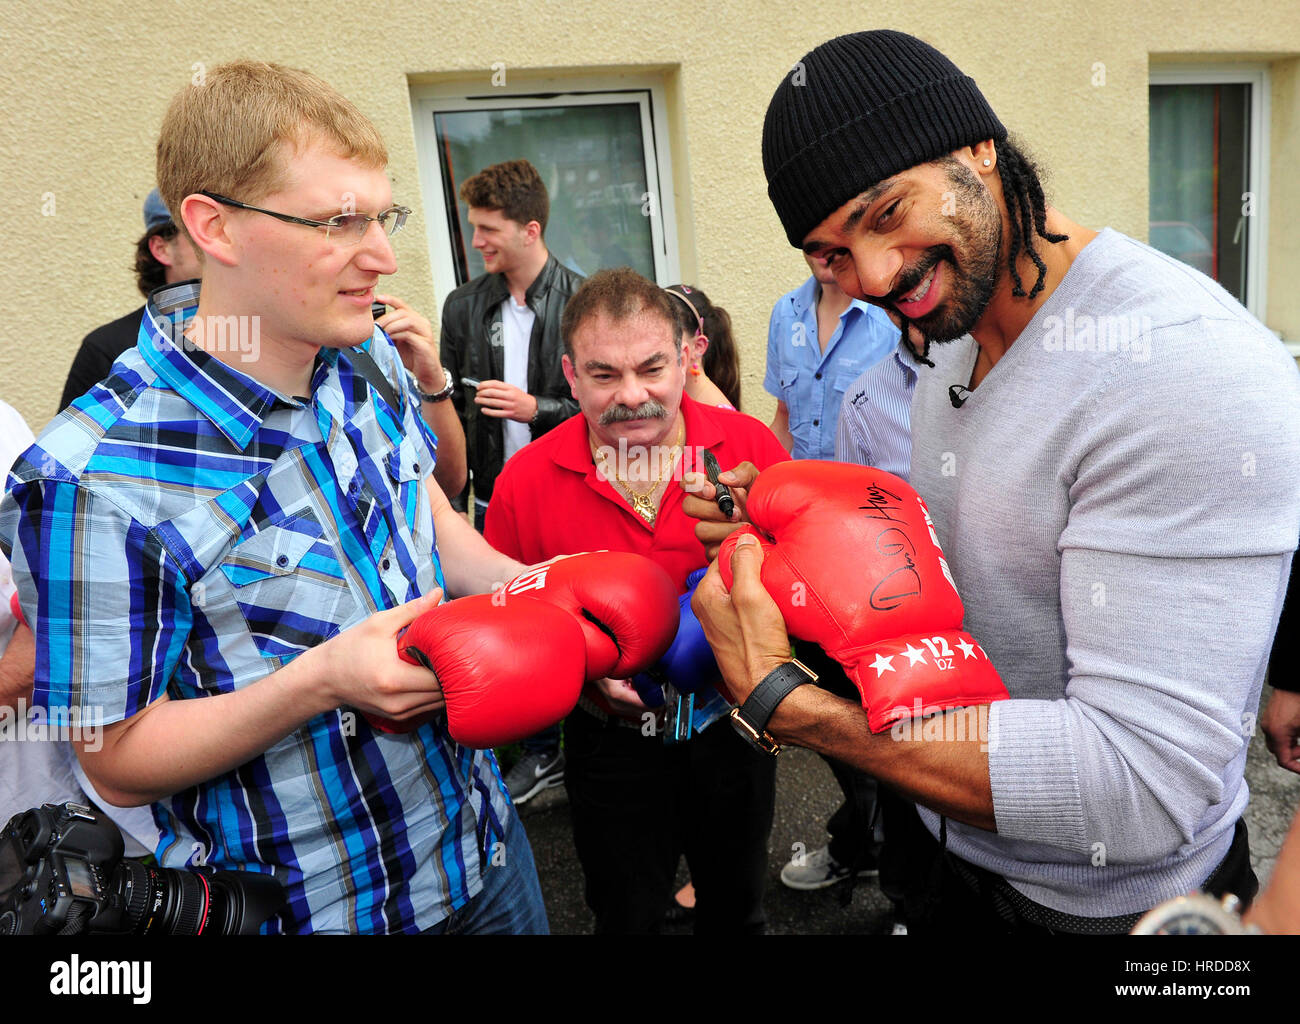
<point x="472" y="345"/>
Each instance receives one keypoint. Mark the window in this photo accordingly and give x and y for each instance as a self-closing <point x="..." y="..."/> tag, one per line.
<point x="1208" y="171"/>
<point x="602" y="153"/>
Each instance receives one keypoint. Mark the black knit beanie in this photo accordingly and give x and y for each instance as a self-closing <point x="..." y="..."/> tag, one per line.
<point x="857" y="110"/>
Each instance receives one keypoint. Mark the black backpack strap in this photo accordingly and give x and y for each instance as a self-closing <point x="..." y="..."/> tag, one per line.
<point x="364" y="363"/>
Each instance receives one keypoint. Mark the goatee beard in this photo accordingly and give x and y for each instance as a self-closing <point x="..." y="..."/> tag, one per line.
<point x="969" y="293"/>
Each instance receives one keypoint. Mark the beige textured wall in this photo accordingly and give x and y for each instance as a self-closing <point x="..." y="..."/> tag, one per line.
<point x="84" y="86"/>
<point x="1284" y="199"/>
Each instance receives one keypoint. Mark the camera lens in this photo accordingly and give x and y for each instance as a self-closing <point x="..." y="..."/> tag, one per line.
<point x="61" y="869"/>
<point x="186" y="911"/>
<point x="163" y="901"/>
<point x="167" y="901"/>
<point x="241" y="901"/>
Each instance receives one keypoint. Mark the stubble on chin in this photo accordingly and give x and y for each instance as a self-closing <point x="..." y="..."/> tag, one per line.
<point x="961" y="309"/>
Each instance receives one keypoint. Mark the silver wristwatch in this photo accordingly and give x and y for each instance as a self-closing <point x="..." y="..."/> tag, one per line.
<point x="1197" y="913"/>
<point x="437" y="396"/>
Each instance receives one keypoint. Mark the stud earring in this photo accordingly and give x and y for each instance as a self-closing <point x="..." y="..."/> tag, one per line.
<point x="987" y="161"/>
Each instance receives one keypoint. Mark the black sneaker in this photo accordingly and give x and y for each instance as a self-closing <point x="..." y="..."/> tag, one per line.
<point x="533" y="773"/>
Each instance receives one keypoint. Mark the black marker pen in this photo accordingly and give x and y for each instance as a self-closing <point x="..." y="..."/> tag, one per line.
<point x="726" y="504"/>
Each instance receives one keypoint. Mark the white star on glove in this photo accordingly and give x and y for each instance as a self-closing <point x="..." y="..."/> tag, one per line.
<point x="966" y="648"/>
<point x="882" y="664"/>
<point x="914" y="655"/>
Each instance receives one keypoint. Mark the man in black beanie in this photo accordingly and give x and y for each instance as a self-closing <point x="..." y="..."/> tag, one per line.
<point x="1109" y="446"/>
<point x="900" y="105"/>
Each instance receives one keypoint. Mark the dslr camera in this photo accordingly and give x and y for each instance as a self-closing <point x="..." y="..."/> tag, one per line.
<point x="62" y="873"/>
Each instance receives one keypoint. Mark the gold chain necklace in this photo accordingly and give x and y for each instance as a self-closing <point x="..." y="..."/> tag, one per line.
<point x="644" y="505"/>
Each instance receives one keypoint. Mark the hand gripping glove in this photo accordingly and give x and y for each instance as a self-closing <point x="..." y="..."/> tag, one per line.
<point x="689" y="663"/>
<point x="625" y="603"/>
<point x="619" y="614"/>
<point x="508" y="666"/>
<point x="855" y="566"/>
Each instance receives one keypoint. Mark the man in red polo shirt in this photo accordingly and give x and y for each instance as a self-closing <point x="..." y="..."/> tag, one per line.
<point x="605" y="479"/>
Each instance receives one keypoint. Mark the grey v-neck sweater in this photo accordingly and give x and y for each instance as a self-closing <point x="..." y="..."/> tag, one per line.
<point x="1118" y="501"/>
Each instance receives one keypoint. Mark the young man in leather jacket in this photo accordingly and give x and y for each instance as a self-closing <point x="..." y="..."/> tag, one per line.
<point x="502" y="329"/>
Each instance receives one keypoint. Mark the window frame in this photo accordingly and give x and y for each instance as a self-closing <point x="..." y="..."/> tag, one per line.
<point x="1256" y="76"/>
<point x="646" y="90"/>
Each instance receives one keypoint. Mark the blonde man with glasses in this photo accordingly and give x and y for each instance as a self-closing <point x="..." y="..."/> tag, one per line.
<point x="218" y="547"/>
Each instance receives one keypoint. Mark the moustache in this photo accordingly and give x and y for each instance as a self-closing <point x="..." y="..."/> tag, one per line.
<point x="916" y="274"/>
<point x="647" y="410"/>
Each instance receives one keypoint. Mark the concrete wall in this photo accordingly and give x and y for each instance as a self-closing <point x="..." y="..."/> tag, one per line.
<point x="84" y="86"/>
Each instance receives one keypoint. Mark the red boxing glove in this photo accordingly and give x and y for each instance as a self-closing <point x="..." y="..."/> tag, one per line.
<point x="16" y="608"/>
<point x="508" y="666"/>
<point x="855" y="567"/>
<point x="518" y="658"/>
<point x="625" y="603"/>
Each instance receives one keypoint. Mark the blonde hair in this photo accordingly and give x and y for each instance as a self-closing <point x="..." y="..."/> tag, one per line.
<point x="226" y="132"/>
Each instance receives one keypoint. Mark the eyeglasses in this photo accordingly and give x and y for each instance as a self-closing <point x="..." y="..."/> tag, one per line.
<point x="346" y="228"/>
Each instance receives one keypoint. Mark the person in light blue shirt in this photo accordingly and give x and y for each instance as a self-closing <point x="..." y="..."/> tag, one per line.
<point x="818" y="341"/>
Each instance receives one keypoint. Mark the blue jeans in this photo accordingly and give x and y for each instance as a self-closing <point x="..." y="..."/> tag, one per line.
<point x="510" y="902"/>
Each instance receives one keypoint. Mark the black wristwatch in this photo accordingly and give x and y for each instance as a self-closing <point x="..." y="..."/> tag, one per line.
<point x="750" y="719"/>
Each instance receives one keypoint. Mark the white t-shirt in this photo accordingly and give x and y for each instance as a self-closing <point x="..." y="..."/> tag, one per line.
<point x="517" y="323"/>
<point x="37" y="763"/>
<point x="33" y="771"/>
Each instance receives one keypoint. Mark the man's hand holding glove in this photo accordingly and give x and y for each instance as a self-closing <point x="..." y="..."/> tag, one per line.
<point x="853" y="564"/>
<point x="513" y="662"/>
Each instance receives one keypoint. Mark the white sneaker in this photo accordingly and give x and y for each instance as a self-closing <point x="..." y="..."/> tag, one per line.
<point x="814" y="870"/>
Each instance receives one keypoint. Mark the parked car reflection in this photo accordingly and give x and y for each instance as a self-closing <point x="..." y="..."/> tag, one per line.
<point x="1185" y="242"/>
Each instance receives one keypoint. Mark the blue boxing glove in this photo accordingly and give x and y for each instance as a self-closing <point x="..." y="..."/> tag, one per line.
<point x="689" y="664"/>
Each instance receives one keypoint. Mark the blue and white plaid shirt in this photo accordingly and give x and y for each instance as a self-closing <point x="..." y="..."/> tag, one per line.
<point x="183" y="530"/>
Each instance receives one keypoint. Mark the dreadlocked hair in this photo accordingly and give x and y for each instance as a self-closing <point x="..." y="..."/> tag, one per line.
<point x="1027" y="208"/>
<point x="1027" y="211"/>
<point x="924" y="355"/>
